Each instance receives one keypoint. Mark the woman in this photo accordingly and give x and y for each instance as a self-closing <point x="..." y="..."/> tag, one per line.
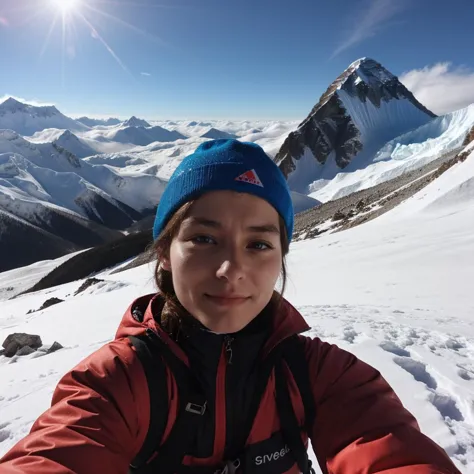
<point x="221" y="233"/>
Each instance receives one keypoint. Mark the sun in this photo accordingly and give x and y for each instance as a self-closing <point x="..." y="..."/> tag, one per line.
<point x="66" y="6"/>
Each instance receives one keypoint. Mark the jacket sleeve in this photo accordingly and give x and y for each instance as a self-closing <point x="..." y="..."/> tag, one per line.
<point x="361" y="426"/>
<point x="97" y="422"/>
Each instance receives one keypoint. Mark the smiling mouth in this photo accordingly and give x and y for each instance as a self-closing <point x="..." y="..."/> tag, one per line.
<point x="227" y="300"/>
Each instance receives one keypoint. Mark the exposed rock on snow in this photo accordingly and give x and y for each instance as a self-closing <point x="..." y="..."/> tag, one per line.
<point x="89" y="282"/>
<point x="17" y="341"/>
<point x="50" y="302"/>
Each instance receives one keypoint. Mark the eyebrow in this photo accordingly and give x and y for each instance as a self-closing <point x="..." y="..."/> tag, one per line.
<point x="266" y="228"/>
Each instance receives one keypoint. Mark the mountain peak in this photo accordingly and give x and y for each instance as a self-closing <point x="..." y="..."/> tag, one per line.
<point x="12" y="104"/>
<point x="28" y="119"/>
<point x="66" y="135"/>
<point x="215" y="134"/>
<point x="365" y="107"/>
<point x="136" y="122"/>
<point x="369" y="70"/>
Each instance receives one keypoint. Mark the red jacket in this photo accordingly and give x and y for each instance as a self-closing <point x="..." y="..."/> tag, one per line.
<point x="100" y="412"/>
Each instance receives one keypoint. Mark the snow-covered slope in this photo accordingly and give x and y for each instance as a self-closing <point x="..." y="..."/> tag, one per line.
<point x="364" y="108"/>
<point x="451" y="193"/>
<point x="15" y="281"/>
<point x="73" y="144"/>
<point x="28" y="119"/>
<point x="404" y="153"/>
<point x="395" y="291"/>
<point x="441" y="135"/>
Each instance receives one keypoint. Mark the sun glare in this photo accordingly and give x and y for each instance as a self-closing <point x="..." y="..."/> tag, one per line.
<point x="66" y="6"/>
<point x="70" y="15"/>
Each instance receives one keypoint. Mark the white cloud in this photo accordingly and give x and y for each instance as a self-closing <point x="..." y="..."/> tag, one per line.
<point x="368" y="22"/>
<point x="25" y="101"/>
<point x="441" y="87"/>
<point x="145" y="74"/>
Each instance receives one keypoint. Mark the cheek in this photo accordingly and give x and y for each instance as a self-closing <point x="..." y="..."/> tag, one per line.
<point x="269" y="270"/>
<point x="186" y="266"/>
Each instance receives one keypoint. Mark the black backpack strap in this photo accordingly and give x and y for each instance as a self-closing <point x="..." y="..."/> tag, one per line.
<point x="192" y="407"/>
<point x="155" y="373"/>
<point x="295" y="359"/>
<point x="153" y="352"/>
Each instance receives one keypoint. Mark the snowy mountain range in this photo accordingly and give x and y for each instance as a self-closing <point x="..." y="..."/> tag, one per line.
<point x="53" y="190"/>
<point x="90" y="122"/>
<point x="366" y="129"/>
<point x="365" y="107"/>
<point x="139" y="135"/>
<point x="27" y="119"/>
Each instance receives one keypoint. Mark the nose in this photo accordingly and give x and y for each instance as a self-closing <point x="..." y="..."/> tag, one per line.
<point x="231" y="267"/>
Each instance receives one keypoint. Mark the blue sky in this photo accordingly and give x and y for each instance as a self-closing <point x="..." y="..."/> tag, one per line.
<point x="245" y="59"/>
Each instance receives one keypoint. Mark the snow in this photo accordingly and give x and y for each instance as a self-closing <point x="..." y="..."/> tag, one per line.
<point x="28" y="119"/>
<point x="400" y="155"/>
<point x="452" y="192"/>
<point x="20" y="279"/>
<point x="377" y="125"/>
<point x="443" y="134"/>
<point x="395" y="291"/>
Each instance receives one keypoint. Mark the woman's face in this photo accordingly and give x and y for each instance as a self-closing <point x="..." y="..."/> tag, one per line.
<point x="226" y="259"/>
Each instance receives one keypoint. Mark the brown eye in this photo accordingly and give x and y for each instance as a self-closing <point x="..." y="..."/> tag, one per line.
<point x="203" y="239"/>
<point x="258" y="245"/>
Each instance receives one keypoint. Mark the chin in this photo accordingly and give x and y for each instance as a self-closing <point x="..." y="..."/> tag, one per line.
<point x="226" y="321"/>
<point x="226" y="327"/>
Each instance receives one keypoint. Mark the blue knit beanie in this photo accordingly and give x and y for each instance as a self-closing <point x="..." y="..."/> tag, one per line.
<point x="225" y="165"/>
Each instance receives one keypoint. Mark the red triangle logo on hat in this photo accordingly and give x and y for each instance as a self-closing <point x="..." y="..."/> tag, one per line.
<point x="250" y="177"/>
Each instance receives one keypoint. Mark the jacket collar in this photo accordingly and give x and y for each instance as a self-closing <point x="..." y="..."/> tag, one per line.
<point x="286" y="322"/>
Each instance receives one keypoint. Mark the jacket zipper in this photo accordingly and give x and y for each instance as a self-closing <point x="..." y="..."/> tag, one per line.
<point x="228" y="340"/>
<point x="228" y="348"/>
